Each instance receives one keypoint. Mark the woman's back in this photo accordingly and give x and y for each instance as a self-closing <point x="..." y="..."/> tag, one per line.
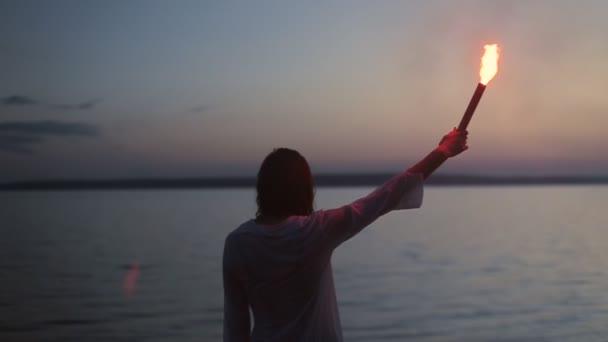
<point x="286" y="273"/>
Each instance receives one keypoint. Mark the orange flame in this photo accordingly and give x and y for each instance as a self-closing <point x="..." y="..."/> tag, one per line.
<point x="489" y="64"/>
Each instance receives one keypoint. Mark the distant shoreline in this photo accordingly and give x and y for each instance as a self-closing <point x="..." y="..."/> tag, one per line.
<point x="322" y="180"/>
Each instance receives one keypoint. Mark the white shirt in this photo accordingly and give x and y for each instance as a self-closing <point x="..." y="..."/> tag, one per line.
<point x="283" y="272"/>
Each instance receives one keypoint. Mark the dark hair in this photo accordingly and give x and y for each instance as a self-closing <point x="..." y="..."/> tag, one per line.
<point x="285" y="186"/>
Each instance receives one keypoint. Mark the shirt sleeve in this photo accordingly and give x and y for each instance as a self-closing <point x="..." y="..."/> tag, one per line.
<point x="404" y="191"/>
<point x="237" y="327"/>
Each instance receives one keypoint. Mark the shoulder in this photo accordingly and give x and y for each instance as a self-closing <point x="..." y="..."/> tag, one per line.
<point x="232" y="245"/>
<point x="244" y="229"/>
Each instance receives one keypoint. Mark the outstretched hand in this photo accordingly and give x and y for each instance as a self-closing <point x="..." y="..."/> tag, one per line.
<point x="453" y="143"/>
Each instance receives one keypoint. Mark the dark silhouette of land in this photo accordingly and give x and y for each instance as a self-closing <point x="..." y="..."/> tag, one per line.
<point x="322" y="180"/>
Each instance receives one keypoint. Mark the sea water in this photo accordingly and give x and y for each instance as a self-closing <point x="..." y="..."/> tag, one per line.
<point x="524" y="263"/>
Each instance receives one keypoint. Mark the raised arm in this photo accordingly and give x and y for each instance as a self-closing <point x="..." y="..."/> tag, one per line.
<point x="403" y="191"/>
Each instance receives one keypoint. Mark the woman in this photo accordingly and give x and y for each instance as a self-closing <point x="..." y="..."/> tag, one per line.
<point x="278" y="264"/>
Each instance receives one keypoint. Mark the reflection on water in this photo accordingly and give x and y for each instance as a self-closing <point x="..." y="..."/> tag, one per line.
<point x="475" y="264"/>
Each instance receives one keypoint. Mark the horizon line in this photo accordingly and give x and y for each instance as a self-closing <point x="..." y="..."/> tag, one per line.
<point x="321" y="180"/>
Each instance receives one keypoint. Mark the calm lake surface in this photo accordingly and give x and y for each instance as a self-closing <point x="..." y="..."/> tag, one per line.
<point x="473" y="264"/>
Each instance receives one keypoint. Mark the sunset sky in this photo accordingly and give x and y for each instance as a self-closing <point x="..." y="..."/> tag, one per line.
<point x="100" y="89"/>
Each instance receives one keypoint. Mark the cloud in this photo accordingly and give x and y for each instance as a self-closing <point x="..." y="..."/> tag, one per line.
<point x="18" y="100"/>
<point x="18" y="144"/>
<point x="23" y="100"/>
<point x="49" y="127"/>
<point x="79" y="106"/>
<point x="88" y="104"/>
<point x="200" y="109"/>
<point x="21" y="136"/>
